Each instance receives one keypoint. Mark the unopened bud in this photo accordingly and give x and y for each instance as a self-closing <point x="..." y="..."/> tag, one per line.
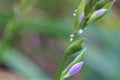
<point x="100" y="12"/>
<point x="74" y="69"/>
<point x="96" y="15"/>
<point x="82" y="16"/>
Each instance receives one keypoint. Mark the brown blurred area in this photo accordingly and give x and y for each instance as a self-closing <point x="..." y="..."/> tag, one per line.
<point x="6" y="74"/>
<point x="117" y="7"/>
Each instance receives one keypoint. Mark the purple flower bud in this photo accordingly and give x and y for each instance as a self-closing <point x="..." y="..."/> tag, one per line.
<point x="75" y="69"/>
<point x="100" y="12"/>
<point x="82" y="17"/>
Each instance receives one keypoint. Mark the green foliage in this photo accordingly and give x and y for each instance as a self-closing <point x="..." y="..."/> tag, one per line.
<point x="74" y="47"/>
<point x="80" y="10"/>
<point x="22" y="65"/>
<point x="106" y="6"/>
<point x="76" y="60"/>
<point x="81" y="22"/>
<point x="88" y="8"/>
<point x="49" y="18"/>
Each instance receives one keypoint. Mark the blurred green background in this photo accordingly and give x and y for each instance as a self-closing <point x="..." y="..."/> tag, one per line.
<point x="34" y="48"/>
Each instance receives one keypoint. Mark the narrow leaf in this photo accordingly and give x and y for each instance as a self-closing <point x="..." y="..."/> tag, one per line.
<point x="88" y="7"/>
<point x="74" y="47"/>
<point x="22" y="65"/>
<point x="109" y="5"/>
<point x="80" y="10"/>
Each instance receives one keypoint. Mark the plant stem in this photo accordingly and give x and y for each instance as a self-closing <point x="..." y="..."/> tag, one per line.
<point x="61" y="67"/>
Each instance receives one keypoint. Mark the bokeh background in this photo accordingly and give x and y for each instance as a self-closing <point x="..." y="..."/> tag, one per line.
<point x="34" y="48"/>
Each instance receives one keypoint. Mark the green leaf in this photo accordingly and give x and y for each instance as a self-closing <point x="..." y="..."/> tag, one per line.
<point x="88" y="7"/>
<point x="22" y="65"/>
<point x="99" y="4"/>
<point x="109" y="5"/>
<point x="76" y="60"/>
<point x="74" y="47"/>
<point x="80" y="9"/>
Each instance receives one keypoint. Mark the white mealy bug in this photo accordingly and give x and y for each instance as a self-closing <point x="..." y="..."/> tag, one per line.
<point x="75" y="12"/>
<point x="71" y="37"/>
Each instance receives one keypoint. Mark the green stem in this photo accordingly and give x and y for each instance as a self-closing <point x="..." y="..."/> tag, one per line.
<point x="61" y="67"/>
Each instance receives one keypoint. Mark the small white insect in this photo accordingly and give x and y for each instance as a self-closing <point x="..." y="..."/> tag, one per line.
<point x="75" y="12"/>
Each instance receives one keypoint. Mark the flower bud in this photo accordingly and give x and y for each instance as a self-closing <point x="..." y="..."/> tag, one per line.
<point x="100" y="12"/>
<point x="82" y="16"/>
<point x="74" y="69"/>
<point x="96" y="15"/>
<point x="74" y="66"/>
